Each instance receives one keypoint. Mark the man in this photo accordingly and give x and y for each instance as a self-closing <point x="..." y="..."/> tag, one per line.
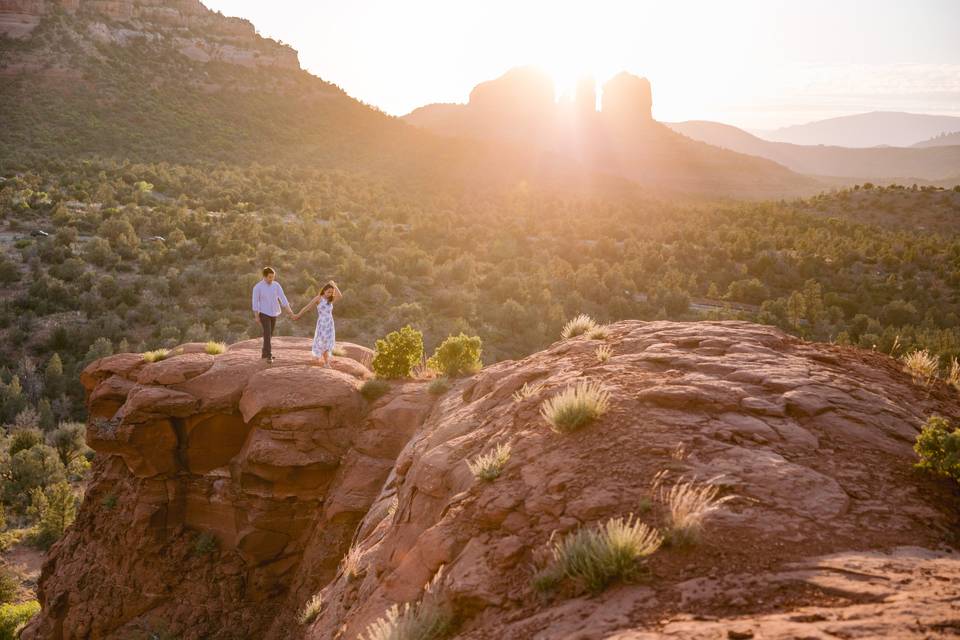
<point x="267" y="298"/>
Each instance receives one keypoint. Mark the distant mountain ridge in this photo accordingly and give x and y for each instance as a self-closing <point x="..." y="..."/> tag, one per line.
<point x="877" y="128"/>
<point x="932" y="163"/>
<point x="942" y="140"/>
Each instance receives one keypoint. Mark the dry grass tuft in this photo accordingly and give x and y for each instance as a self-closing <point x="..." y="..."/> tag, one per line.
<point x="922" y="365"/>
<point x="156" y="355"/>
<point x="575" y="407"/>
<point x="688" y="505"/>
<point x="953" y="378"/>
<point x="488" y="466"/>
<point x="594" y="558"/>
<point x="599" y="332"/>
<point x="578" y="326"/>
<point x="374" y="388"/>
<point x="603" y="353"/>
<point x="427" y="619"/>
<point x="310" y="610"/>
<point x="527" y="390"/>
<point x="351" y="563"/>
<point x="215" y="348"/>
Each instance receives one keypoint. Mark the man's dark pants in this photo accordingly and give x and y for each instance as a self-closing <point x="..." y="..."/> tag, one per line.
<point x="268" y="323"/>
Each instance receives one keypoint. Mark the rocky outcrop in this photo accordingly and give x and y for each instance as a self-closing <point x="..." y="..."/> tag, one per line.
<point x="221" y="38"/>
<point x="254" y="455"/>
<point x="20" y="17"/>
<point x="628" y="99"/>
<point x="620" y="140"/>
<point x="830" y="531"/>
<point x="522" y="91"/>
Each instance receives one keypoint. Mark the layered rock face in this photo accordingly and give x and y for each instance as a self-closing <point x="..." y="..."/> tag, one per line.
<point x="830" y="530"/>
<point x="255" y="455"/>
<point x="19" y="17"/>
<point x="193" y="29"/>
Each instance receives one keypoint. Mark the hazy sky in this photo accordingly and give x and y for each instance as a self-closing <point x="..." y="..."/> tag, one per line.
<point x="752" y="63"/>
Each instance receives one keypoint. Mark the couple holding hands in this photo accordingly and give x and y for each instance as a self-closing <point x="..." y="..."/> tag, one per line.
<point x="268" y="298"/>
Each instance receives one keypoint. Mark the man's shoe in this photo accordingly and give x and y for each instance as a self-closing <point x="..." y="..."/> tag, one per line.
<point x="270" y="359"/>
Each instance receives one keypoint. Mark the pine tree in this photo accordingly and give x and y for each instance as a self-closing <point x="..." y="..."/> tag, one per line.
<point x="47" y="419"/>
<point x="101" y="348"/>
<point x="12" y="400"/>
<point x="54" y="510"/>
<point x="53" y="376"/>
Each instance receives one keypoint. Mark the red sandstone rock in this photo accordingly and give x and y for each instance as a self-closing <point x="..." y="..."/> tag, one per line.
<point x="288" y="467"/>
<point x="225" y="39"/>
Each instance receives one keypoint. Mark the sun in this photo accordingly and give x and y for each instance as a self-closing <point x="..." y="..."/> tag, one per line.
<point x="566" y="77"/>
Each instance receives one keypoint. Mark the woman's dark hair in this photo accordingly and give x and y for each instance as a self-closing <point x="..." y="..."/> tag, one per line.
<point x="325" y="287"/>
<point x="267" y="271"/>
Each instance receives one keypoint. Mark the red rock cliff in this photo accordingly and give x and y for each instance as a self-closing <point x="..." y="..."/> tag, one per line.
<point x="831" y="532"/>
<point x="197" y="32"/>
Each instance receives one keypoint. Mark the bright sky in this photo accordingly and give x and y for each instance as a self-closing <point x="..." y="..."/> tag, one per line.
<point x="752" y="63"/>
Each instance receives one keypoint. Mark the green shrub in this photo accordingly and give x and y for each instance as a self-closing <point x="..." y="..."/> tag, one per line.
<point x="374" y="388"/>
<point x="439" y="386"/>
<point x="9" y="585"/>
<point x="579" y="325"/>
<point x="54" y="509"/>
<point x="457" y="355"/>
<point x="204" y="544"/>
<point x="938" y="446"/>
<point x="594" y="558"/>
<point x="398" y="353"/>
<point x="13" y="617"/>
<point x="69" y="439"/>
<point x="487" y="466"/>
<point x="109" y="501"/>
<point x="575" y="407"/>
<point x="215" y="348"/>
<point x="38" y="466"/>
<point x="156" y="355"/>
<point x="23" y="439"/>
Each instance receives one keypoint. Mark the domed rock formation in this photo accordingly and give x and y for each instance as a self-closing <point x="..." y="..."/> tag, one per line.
<point x="830" y="530"/>
<point x="520" y="92"/>
<point x="627" y="99"/>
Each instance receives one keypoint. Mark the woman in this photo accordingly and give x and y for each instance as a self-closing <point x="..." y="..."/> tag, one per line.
<point x="324" y="335"/>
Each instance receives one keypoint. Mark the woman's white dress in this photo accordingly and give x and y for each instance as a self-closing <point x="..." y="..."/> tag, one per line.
<point x="325" y="335"/>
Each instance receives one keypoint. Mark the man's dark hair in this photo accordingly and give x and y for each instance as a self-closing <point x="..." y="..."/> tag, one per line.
<point x="267" y="271"/>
